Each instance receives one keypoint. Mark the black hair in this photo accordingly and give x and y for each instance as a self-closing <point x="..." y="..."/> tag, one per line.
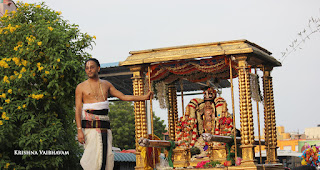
<point x="92" y="59"/>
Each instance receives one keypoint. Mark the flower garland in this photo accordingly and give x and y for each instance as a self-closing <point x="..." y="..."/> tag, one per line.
<point x="194" y="71"/>
<point x="311" y="156"/>
<point x="186" y="131"/>
<point x="224" y="126"/>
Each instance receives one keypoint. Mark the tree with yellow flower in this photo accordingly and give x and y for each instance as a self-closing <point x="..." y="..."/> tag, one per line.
<point x="41" y="62"/>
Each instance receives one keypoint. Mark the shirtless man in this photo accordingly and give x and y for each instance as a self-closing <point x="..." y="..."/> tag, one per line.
<point x="91" y="117"/>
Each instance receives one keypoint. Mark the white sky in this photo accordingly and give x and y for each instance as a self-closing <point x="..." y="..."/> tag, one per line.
<point x="122" y="26"/>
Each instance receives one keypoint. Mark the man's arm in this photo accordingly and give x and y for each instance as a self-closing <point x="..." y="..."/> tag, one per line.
<point x="78" y="114"/>
<point x="116" y="93"/>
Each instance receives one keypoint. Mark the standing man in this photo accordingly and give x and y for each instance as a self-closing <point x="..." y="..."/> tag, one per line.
<point x="93" y="124"/>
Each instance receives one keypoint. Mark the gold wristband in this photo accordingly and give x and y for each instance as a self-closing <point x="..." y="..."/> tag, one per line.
<point x="79" y="128"/>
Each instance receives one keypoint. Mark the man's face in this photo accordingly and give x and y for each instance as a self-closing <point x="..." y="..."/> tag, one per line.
<point x="92" y="69"/>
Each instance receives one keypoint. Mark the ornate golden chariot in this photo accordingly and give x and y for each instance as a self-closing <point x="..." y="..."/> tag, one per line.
<point x="166" y="68"/>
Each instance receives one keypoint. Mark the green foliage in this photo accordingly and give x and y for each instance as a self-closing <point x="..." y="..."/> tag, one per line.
<point x="211" y="164"/>
<point x="41" y="62"/>
<point x="159" y="126"/>
<point x="123" y="124"/>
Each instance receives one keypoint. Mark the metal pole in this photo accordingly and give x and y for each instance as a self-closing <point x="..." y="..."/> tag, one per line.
<point x="258" y="114"/>
<point x="151" y="116"/>
<point x="233" y="111"/>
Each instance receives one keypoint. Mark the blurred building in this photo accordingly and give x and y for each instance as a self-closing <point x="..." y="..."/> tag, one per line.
<point x="294" y="141"/>
<point x="281" y="134"/>
<point x="312" y="133"/>
<point x="286" y="141"/>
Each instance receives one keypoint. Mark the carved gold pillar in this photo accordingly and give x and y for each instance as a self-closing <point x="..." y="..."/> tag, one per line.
<point x="139" y="112"/>
<point x="172" y="111"/>
<point x="246" y="117"/>
<point x="269" y="117"/>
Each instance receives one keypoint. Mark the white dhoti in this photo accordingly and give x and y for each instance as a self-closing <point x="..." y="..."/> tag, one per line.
<point x="98" y="141"/>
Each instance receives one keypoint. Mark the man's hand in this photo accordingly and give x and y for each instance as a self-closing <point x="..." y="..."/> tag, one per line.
<point x="81" y="137"/>
<point x="150" y="95"/>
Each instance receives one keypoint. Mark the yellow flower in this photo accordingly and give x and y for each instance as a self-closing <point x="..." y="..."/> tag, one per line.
<point x="24" y="106"/>
<point x="58" y="59"/>
<point x="20" y="75"/>
<point x="4" y="64"/>
<point x="40" y="68"/>
<point x="50" y="28"/>
<point x="6" y="79"/>
<point x="38" y="6"/>
<point x="41" y="140"/>
<point x="33" y="74"/>
<point x="38" y="64"/>
<point x="24" y="62"/>
<point x="94" y="37"/>
<point x="26" y="4"/>
<point x="59" y="12"/>
<point x="7" y="118"/>
<point x="15" y="73"/>
<point x="1" y="123"/>
<point x="12" y="77"/>
<point x="7" y="101"/>
<point x="1" y="108"/>
<point x="13" y="12"/>
<point x="19" y="107"/>
<point x="4" y="95"/>
<point x="39" y="43"/>
<point x="23" y="70"/>
<point x="16" y="60"/>
<point x="10" y="91"/>
<point x="4" y="115"/>
<point x="47" y="72"/>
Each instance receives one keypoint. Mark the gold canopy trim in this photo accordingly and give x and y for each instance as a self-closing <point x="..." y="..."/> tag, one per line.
<point x="167" y="54"/>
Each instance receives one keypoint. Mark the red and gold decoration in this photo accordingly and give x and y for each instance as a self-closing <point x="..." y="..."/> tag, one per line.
<point x="194" y="70"/>
<point x="186" y="131"/>
<point x="199" y="63"/>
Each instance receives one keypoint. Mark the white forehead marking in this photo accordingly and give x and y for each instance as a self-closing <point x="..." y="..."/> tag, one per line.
<point x="88" y="63"/>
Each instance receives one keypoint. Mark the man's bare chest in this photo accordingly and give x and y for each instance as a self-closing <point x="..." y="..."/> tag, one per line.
<point x="94" y="93"/>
